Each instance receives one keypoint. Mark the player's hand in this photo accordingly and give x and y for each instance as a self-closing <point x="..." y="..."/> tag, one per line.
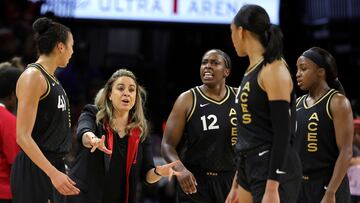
<point x="329" y="197"/>
<point x="63" y="183"/>
<point x="186" y="179"/>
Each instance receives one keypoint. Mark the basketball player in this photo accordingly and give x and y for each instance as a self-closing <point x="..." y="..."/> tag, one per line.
<point x="202" y="124"/>
<point x="324" y="129"/>
<point x="43" y="120"/>
<point x="268" y="166"/>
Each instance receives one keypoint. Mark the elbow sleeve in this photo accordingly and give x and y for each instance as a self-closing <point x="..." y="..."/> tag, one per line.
<point x="280" y="119"/>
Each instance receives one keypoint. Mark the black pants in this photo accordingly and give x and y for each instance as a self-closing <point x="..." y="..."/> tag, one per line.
<point x="253" y="172"/>
<point x="29" y="184"/>
<point x="313" y="190"/>
<point x="213" y="187"/>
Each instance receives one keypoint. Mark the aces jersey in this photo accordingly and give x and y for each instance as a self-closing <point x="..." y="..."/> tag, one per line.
<point x="210" y="132"/>
<point x="315" y="134"/>
<point x="52" y="127"/>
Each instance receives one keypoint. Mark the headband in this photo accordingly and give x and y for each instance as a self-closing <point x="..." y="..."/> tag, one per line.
<point x="315" y="57"/>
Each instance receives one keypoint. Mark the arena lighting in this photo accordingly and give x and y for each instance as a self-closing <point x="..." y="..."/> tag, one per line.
<point x="178" y="11"/>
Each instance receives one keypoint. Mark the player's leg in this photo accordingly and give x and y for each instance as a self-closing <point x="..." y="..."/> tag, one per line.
<point x="244" y="195"/>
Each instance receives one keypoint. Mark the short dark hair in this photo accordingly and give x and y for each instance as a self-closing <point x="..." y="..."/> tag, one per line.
<point x="8" y="78"/>
<point x="48" y="33"/>
<point x="224" y="55"/>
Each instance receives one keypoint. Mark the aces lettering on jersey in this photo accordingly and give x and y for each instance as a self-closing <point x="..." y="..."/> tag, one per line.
<point x="246" y="116"/>
<point x="233" y="121"/>
<point x="312" y="133"/>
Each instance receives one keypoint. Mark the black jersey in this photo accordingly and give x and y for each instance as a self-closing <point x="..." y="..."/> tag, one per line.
<point x="52" y="127"/>
<point x="316" y="134"/>
<point x="254" y="118"/>
<point x="210" y="132"/>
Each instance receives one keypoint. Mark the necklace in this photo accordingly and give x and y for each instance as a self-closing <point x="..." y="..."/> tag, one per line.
<point x="250" y="68"/>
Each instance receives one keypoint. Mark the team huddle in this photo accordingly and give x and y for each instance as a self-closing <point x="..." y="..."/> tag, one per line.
<point x="259" y="142"/>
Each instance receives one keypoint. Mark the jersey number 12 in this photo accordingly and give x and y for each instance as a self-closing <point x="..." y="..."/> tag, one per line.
<point x="213" y="119"/>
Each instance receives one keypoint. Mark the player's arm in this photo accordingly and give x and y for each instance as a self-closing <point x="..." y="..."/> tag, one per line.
<point x="175" y="125"/>
<point x="233" y="194"/>
<point x="276" y="81"/>
<point x="340" y="108"/>
<point x="172" y="135"/>
<point x="30" y="87"/>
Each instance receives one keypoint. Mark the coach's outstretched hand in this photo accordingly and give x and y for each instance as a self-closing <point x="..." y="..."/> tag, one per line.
<point x="90" y="140"/>
<point x="167" y="169"/>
